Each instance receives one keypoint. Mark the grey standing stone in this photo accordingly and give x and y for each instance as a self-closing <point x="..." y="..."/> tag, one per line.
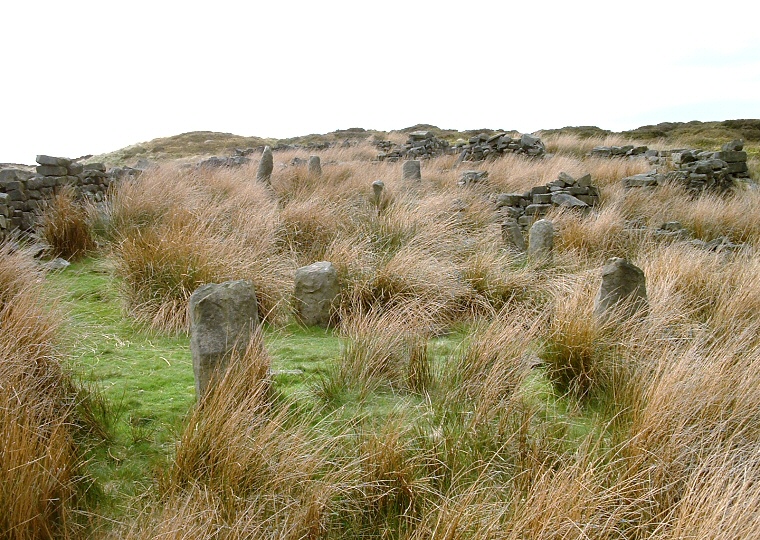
<point x="316" y="289"/>
<point x="315" y="166"/>
<point x="541" y="241"/>
<point x="622" y="282"/>
<point x="378" y="186"/>
<point x="222" y="319"/>
<point x="512" y="235"/>
<point x="266" y="166"/>
<point x="411" y="170"/>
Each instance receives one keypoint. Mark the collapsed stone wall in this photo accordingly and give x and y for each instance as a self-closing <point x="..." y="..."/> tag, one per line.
<point x="697" y="170"/>
<point x="24" y="193"/>
<point x="419" y="145"/>
<point x="483" y="146"/>
<point x="564" y="192"/>
<point x="425" y="145"/>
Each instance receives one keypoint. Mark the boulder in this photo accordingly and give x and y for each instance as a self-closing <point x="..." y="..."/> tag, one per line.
<point x="623" y="290"/>
<point x="222" y="319"/>
<point x="316" y="290"/>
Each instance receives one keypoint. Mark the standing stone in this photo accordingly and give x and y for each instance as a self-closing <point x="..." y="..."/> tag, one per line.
<point x="512" y="235"/>
<point x="622" y="282"/>
<point x="316" y="289"/>
<point x="315" y="166"/>
<point x="222" y="319"/>
<point x="541" y="241"/>
<point x="411" y="170"/>
<point x="377" y="191"/>
<point x="266" y="165"/>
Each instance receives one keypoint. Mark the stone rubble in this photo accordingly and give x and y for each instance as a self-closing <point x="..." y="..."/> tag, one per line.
<point x="695" y="170"/>
<point x="419" y="145"/>
<point x="484" y="146"/>
<point x="564" y="192"/>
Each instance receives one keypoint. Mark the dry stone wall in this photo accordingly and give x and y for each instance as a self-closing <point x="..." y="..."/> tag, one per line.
<point x="425" y="145"/>
<point x="695" y="170"/>
<point x="564" y="192"/>
<point x="485" y="146"/>
<point x="419" y="145"/>
<point x="23" y="193"/>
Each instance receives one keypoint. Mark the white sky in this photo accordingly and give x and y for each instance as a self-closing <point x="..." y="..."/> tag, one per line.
<point x="79" y="77"/>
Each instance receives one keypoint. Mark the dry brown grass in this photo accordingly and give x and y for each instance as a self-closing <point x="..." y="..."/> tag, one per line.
<point x="39" y="458"/>
<point x="489" y="440"/>
<point x="165" y="247"/>
<point x="570" y="144"/>
<point x="65" y="226"/>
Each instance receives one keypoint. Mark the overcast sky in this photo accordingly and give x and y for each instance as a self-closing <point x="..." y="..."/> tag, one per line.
<point x="90" y="77"/>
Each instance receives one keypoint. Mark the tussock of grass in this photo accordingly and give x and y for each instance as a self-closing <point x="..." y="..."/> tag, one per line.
<point x="40" y="460"/>
<point x="385" y="349"/>
<point x="206" y="233"/>
<point x="65" y="226"/>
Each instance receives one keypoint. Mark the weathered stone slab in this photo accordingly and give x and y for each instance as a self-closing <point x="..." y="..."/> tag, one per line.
<point x="51" y="160"/>
<point x="737" y="167"/>
<point x="565" y="200"/>
<point x="52" y="170"/>
<point x="736" y="146"/>
<point x="537" y="209"/>
<point x="731" y="156"/>
<point x="509" y="199"/>
<point x="74" y="168"/>
<point x="639" y="180"/>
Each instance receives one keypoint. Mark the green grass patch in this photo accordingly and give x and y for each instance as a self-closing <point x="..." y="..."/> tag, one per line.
<point x="143" y="387"/>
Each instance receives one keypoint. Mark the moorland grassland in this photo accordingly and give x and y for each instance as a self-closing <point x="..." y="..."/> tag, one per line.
<point x="464" y="392"/>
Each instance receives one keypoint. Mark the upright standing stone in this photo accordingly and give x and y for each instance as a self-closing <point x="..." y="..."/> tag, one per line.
<point x="622" y="283"/>
<point x="266" y="165"/>
<point x="512" y="235"/>
<point x="377" y="191"/>
<point x="316" y="289"/>
<point x="541" y="241"/>
<point x="222" y="319"/>
<point x="315" y="166"/>
<point x="411" y="170"/>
